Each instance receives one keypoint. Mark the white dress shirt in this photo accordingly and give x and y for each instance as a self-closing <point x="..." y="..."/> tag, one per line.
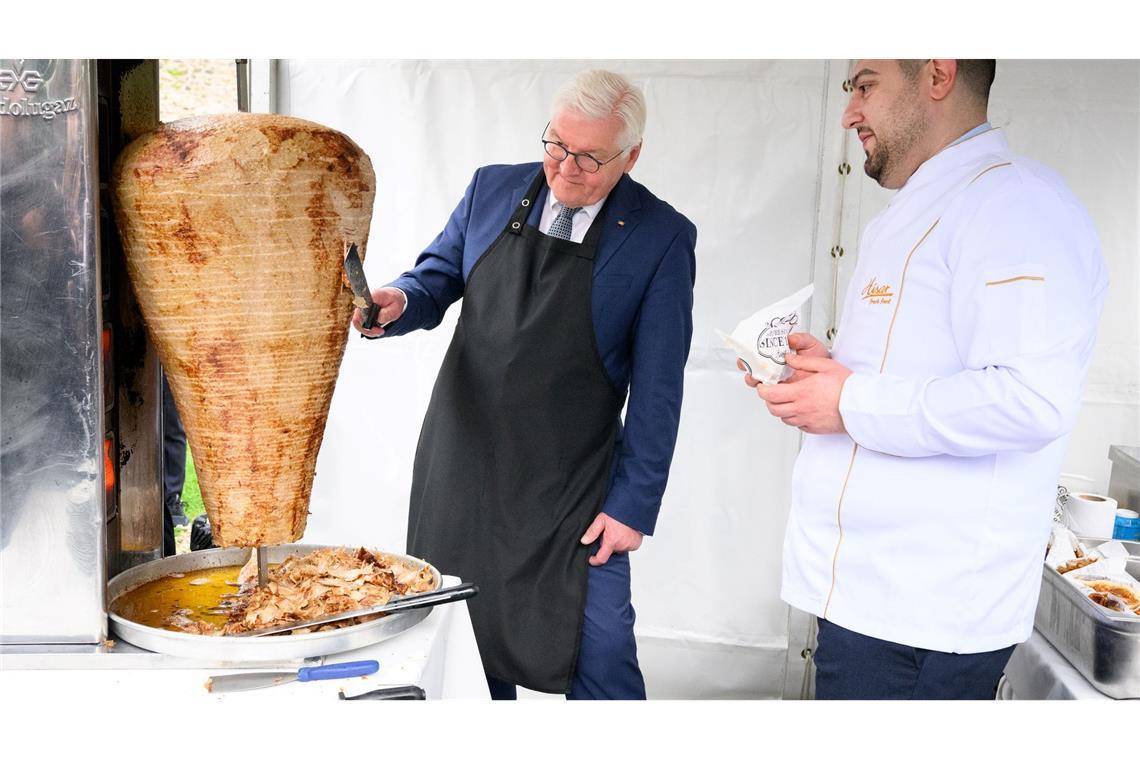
<point x="969" y="324"/>
<point x="579" y="224"/>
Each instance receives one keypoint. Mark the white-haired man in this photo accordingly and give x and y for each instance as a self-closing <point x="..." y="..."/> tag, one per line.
<point x="936" y="426"/>
<point x="577" y="288"/>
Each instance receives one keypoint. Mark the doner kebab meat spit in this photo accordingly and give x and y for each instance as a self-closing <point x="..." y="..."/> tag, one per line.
<point x="235" y="229"/>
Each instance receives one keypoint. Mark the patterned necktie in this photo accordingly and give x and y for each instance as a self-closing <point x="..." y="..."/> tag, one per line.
<point x="563" y="223"/>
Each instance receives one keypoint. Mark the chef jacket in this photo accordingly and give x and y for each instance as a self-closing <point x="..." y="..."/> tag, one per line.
<point x="969" y="325"/>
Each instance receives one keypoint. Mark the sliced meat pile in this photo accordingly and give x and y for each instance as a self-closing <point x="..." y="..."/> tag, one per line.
<point x="320" y="583"/>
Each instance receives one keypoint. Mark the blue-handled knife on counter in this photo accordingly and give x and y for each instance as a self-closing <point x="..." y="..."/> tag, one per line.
<point x="247" y="681"/>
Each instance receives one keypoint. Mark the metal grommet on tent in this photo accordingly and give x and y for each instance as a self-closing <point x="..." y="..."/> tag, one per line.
<point x="526" y="201"/>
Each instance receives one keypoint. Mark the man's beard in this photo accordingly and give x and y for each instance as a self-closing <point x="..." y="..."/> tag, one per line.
<point x="877" y="161"/>
<point x="889" y="150"/>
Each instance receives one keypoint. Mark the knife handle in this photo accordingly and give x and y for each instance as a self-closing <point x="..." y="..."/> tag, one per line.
<point x="433" y="598"/>
<point x="392" y="692"/>
<point x="338" y="670"/>
<point x="370" y="316"/>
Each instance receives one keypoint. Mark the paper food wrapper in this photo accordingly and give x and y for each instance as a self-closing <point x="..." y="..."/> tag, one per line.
<point x="761" y="341"/>
<point x="1110" y="564"/>
<point x="1113" y="550"/>
<point x="1062" y="546"/>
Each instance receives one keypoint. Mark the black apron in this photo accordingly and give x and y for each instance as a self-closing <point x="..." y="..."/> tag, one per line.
<point x="513" y="460"/>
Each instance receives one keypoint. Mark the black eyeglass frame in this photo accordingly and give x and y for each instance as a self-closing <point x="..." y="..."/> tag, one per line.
<point x="546" y="146"/>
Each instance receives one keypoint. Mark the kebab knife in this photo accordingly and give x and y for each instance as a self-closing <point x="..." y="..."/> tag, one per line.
<point x="362" y="296"/>
<point x="247" y="681"/>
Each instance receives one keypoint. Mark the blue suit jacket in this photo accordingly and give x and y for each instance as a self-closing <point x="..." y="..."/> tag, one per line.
<point x="644" y="271"/>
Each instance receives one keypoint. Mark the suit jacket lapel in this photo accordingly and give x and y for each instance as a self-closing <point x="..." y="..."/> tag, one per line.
<point x="621" y="217"/>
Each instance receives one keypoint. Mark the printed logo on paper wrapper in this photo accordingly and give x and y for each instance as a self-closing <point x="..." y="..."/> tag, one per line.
<point x="772" y="342"/>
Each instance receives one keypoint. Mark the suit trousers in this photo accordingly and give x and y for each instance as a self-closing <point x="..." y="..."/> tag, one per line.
<point x="850" y="665"/>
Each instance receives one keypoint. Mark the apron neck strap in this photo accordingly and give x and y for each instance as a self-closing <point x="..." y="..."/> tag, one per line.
<point x="595" y="231"/>
<point x="519" y="217"/>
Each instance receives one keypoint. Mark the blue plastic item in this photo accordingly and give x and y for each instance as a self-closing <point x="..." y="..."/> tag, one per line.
<point x="1126" y="528"/>
<point x="338" y="670"/>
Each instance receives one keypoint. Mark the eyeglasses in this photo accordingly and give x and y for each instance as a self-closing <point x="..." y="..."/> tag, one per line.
<point x="585" y="161"/>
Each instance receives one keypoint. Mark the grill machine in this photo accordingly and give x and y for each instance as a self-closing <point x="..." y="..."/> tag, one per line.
<point x="80" y="430"/>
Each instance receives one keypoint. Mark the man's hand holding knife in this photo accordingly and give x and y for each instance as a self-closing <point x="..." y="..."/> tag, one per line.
<point x="392" y="304"/>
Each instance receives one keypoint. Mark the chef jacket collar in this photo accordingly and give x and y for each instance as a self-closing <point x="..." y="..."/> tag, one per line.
<point x="958" y="154"/>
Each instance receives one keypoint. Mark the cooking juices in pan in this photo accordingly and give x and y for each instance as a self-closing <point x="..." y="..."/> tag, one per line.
<point x="152" y="604"/>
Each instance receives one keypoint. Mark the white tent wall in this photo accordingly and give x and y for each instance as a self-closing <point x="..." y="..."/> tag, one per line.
<point x="749" y="151"/>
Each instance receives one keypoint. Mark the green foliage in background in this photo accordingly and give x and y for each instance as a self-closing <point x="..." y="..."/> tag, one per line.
<point x="191" y="494"/>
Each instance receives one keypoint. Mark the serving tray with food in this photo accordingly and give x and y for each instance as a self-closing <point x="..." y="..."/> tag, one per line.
<point x="1090" y="609"/>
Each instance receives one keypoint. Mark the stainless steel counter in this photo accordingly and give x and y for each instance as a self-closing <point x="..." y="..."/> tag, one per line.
<point x="439" y="654"/>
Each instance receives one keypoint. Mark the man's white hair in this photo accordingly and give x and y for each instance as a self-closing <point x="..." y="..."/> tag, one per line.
<point x="600" y="94"/>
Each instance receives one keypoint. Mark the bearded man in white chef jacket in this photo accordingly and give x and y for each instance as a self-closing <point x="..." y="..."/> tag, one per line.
<point x="936" y="425"/>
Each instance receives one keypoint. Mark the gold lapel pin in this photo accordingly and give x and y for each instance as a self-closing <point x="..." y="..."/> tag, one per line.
<point x="621" y="223"/>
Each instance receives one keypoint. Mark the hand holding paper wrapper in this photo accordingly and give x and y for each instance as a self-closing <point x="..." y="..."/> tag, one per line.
<point x="761" y="340"/>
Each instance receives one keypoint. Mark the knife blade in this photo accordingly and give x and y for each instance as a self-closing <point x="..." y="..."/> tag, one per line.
<point x="362" y="296"/>
<point x="262" y="567"/>
<point x="247" y="681"/>
<point x="396" y="604"/>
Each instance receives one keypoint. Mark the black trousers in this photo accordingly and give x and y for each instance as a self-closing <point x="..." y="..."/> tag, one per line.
<point x="850" y="665"/>
<point x="173" y="467"/>
<point x="173" y="448"/>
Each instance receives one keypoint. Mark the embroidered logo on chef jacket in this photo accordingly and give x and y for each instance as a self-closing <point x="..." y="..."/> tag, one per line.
<point x="877" y="293"/>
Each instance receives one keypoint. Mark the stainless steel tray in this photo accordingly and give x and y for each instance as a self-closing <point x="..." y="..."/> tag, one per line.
<point x="240" y="649"/>
<point x="1103" y="646"/>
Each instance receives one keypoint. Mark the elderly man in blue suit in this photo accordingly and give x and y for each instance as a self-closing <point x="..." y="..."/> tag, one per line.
<point x="577" y="288"/>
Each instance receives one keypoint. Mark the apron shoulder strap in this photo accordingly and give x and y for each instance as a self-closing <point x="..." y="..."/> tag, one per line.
<point x="595" y="231"/>
<point x="518" y="217"/>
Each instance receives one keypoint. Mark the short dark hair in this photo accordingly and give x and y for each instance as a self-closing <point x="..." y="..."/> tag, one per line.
<point x="975" y="74"/>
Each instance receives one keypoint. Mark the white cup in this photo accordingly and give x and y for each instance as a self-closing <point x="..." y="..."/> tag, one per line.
<point x="1092" y="515"/>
